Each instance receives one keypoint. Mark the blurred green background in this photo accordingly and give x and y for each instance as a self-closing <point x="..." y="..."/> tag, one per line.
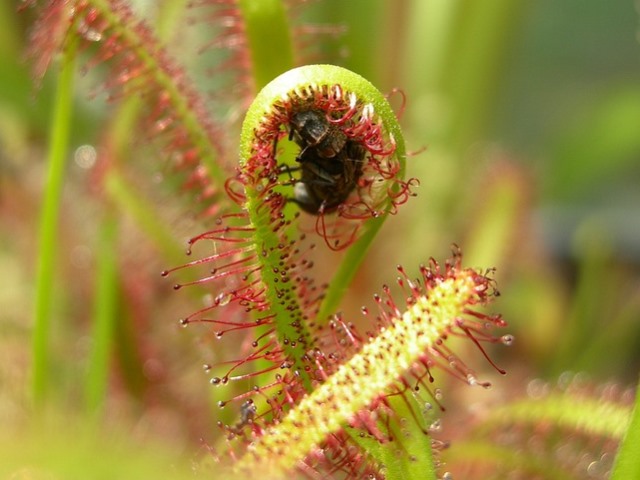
<point x="525" y="120"/>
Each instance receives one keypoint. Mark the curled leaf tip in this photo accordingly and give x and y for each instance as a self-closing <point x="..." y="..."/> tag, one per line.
<point x="349" y="160"/>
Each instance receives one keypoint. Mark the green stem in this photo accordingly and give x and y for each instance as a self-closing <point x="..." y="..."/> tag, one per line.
<point x="267" y="31"/>
<point x="348" y="269"/>
<point x="123" y="193"/>
<point x="474" y="59"/>
<point x="48" y="229"/>
<point x="104" y="313"/>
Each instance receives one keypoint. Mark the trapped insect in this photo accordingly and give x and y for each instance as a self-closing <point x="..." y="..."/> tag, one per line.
<point x="330" y="162"/>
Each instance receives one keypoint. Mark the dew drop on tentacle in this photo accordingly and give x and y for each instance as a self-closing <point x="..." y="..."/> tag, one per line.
<point x="507" y="339"/>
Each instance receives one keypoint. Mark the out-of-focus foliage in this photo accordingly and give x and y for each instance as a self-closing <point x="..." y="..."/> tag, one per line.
<point x="526" y="120"/>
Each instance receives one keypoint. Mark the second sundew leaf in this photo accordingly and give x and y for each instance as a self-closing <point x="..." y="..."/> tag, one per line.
<point x="266" y="19"/>
<point x="370" y="390"/>
<point x="139" y="65"/>
<point x="349" y="108"/>
<point x="47" y="235"/>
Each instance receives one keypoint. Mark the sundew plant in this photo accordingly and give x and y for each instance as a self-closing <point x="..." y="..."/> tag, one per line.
<point x="277" y="239"/>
